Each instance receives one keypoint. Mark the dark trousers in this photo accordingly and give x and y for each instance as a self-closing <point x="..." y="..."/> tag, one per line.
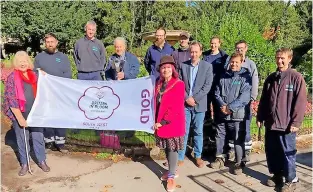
<point x="248" y="123"/>
<point x="280" y="149"/>
<point x="89" y="75"/>
<point x="55" y="135"/>
<point x="37" y="140"/>
<point x="235" y="131"/>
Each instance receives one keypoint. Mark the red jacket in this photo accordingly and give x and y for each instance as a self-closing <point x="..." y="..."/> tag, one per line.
<point x="171" y="109"/>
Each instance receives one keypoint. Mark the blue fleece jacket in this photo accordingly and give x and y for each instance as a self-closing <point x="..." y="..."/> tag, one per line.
<point x="56" y="64"/>
<point x="153" y="57"/>
<point x="129" y="65"/>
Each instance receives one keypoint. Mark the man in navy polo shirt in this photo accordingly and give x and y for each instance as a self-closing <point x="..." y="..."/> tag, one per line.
<point x="157" y="51"/>
<point x="54" y="63"/>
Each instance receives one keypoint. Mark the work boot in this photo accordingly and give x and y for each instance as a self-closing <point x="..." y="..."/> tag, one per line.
<point x="276" y="180"/>
<point x="171" y="185"/>
<point x="199" y="163"/>
<point x="237" y="169"/>
<point x="289" y="187"/>
<point x="23" y="170"/>
<point x="49" y="147"/>
<point x="43" y="165"/>
<point x="218" y="163"/>
<point x="61" y="148"/>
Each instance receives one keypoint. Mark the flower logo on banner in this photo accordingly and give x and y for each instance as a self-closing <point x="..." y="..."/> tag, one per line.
<point x="98" y="103"/>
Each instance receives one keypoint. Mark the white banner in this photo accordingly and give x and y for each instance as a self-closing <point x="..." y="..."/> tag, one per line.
<point x="100" y="105"/>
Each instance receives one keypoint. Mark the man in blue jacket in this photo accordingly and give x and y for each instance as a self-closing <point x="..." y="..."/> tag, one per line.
<point x="54" y="63"/>
<point x="232" y="95"/>
<point x="157" y="51"/>
<point x="197" y="76"/>
<point x="122" y="65"/>
<point x="242" y="48"/>
<point x="89" y="54"/>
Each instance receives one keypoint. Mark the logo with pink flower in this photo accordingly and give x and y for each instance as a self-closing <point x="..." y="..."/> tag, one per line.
<point x="98" y="103"/>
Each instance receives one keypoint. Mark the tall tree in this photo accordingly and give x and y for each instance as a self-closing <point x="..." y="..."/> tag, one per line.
<point x="30" y="21"/>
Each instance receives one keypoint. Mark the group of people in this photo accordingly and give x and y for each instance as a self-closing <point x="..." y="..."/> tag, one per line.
<point x="188" y="85"/>
<point x="189" y="82"/>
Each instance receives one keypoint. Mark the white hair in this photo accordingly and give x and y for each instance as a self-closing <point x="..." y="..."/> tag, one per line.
<point x="91" y="22"/>
<point x="120" y="39"/>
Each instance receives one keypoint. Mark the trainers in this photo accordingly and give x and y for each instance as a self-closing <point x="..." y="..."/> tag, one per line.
<point x="276" y="180"/>
<point x="237" y="169"/>
<point x="218" y="163"/>
<point x="289" y="187"/>
<point x="23" y="170"/>
<point x="43" y="165"/>
<point x="171" y="185"/>
<point x="165" y="176"/>
<point x="199" y="162"/>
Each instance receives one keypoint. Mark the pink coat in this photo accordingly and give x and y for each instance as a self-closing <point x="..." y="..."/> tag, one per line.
<point x="172" y="109"/>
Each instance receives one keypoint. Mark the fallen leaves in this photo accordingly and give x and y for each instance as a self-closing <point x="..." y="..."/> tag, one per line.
<point x="219" y="181"/>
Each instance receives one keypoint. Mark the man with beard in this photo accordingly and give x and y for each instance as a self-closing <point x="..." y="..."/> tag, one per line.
<point x="183" y="52"/>
<point x="55" y="63"/>
<point x="156" y="51"/>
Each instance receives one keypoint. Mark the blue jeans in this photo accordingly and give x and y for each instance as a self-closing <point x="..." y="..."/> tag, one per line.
<point x="38" y="143"/>
<point x="195" y="119"/>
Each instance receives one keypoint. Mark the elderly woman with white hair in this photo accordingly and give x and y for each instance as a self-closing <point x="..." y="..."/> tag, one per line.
<point x="19" y="96"/>
<point x="122" y="65"/>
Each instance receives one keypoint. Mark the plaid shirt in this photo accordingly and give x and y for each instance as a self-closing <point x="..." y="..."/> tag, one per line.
<point x="10" y="99"/>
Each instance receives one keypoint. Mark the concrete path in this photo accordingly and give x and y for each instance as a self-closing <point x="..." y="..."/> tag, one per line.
<point x="70" y="173"/>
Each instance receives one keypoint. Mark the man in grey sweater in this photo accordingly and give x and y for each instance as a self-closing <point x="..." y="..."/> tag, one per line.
<point x="55" y="63"/>
<point x="242" y="47"/>
<point x="89" y="54"/>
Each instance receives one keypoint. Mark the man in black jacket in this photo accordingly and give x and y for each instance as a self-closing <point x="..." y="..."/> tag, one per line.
<point x="182" y="54"/>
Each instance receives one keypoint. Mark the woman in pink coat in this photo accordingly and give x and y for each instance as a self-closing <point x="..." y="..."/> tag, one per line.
<point x="170" y="116"/>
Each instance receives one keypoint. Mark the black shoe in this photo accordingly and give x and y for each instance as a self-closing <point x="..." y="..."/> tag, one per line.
<point x="61" y="148"/>
<point x="237" y="169"/>
<point x="276" y="180"/>
<point x="23" y="171"/>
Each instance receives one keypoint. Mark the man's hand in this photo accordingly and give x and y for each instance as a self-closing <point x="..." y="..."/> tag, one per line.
<point x="191" y="101"/>
<point x="120" y="75"/>
<point x="294" y="129"/>
<point x="225" y="110"/>
<point x="22" y="122"/>
<point x="228" y="111"/>
<point x="259" y="124"/>
<point x="157" y="126"/>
